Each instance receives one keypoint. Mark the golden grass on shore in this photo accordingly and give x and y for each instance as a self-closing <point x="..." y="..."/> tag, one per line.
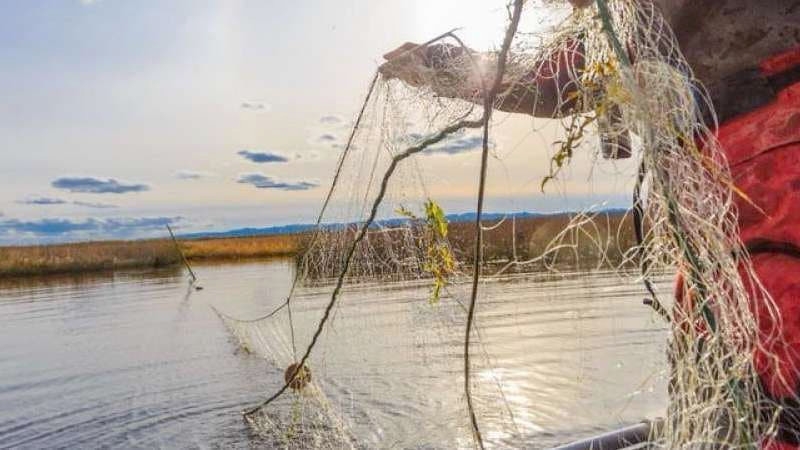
<point x="521" y="239"/>
<point x="111" y="255"/>
<point x="606" y="240"/>
<point x="242" y="247"/>
<point x="521" y="244"/>
<point x="86" y="257"/>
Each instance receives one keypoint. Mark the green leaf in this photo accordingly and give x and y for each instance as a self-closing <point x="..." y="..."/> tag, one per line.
<point x="436" y="218"/>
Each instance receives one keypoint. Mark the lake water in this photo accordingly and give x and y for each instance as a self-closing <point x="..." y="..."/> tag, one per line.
<point x="134" y="360"/>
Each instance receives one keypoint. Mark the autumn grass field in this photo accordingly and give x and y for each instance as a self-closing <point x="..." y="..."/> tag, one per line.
<point x="112" y="255"/>
<point x="242" y="247"/>
<point x="605" y="239"/>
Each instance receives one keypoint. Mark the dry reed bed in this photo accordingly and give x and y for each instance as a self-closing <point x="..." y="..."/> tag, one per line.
<point x="111" y="255"/>
<point x="605" y="239"/>
<point x="86" y="257"/>
<point x="242" y="247"/>
<point x="528" y="236"/>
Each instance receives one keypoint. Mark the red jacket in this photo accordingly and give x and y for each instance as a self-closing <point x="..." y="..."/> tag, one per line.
<point x="763" y="150"/>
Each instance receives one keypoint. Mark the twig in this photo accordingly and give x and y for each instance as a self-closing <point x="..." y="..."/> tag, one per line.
<point x="488" y="108"/>
<point x="337" y="173"/>
<point x="180" y="252"/>
<point x="325" y="203"/>
<point x="460" y="124"/>
<point x="359" y="237"/>
<point x="357" y="124"/>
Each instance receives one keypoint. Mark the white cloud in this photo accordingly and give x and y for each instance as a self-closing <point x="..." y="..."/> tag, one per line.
<point x="260" y="157"/>
<point x="193" y="174"/>
<point x="261" y="181"/>
<point x="330" y="120"/>
<point x="94" y="185"/>
<point x="255" y="106"/>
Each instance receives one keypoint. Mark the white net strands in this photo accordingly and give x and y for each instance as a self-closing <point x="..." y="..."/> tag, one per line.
<point x="620" y="76"/>
<point x="303" y="419"/>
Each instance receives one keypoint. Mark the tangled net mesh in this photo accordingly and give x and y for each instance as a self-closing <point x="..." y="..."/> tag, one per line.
<point x="623" y="83"/>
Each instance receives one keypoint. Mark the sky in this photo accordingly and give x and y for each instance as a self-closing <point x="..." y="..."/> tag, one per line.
<point x="119" y="115"/>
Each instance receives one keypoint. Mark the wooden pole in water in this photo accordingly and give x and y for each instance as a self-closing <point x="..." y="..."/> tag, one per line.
<point x="180" y="252"/>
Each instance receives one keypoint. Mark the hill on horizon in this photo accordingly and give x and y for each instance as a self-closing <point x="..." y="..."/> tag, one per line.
<point x="300" y="228"/>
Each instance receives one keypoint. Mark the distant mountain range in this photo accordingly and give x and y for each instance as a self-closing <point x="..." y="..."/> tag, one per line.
<point x="300" y="228"/>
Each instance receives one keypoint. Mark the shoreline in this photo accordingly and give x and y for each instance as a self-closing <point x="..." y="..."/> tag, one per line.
<point x="104" y="256"/>
<point x="524" y="239"/>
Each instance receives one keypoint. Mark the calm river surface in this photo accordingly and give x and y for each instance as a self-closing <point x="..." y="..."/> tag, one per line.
<point x="130" y="360"/>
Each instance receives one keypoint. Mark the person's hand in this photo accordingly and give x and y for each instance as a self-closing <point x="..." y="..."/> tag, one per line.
<point x="418" y="66"/>
<point x="407" y="63"/>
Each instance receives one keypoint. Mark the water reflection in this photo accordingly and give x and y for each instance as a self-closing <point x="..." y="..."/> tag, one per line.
<point x="136" y="359"/>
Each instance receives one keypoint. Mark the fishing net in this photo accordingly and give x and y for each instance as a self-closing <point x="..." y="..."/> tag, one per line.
<point x="621" y="86"/>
